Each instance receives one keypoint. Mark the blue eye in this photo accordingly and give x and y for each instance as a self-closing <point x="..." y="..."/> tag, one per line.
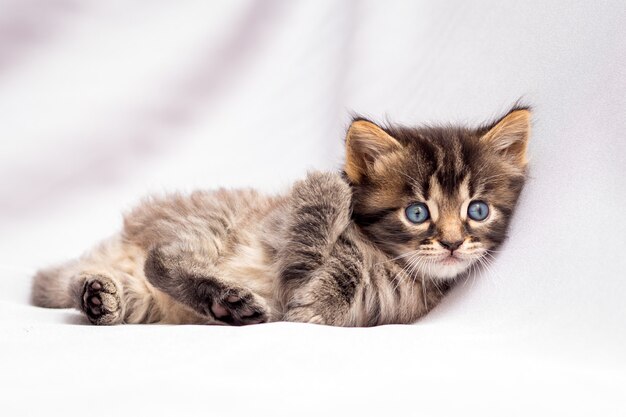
<point x="478" y="210"/>
<point x="417" y="213"/>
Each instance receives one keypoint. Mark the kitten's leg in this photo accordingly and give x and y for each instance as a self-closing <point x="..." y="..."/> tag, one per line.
<point x="180" y="271"/>
<point x="78" y="285"/>
<point x="108" y="285"/>
<point x="185" y="239"/>
<point x="50" y="287"/>
<point x="328" y="295"/>
<point x="321" y="266"/>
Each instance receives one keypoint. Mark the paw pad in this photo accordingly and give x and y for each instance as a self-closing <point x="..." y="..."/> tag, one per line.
<point x="238" y="307"/>
<point x="101" y="302"/>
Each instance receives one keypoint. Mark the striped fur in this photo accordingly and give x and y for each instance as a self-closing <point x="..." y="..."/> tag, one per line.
<point x="336" y="249"/>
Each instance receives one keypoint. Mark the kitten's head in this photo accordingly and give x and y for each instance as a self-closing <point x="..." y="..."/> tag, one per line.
<point x="437" y="198"/>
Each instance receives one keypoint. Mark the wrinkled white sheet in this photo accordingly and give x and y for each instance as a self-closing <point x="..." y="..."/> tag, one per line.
<point x="102" y="102"/>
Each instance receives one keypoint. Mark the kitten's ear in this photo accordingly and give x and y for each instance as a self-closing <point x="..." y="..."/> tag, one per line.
<point x="366" y="142"/>
<point x="509" y="136"/>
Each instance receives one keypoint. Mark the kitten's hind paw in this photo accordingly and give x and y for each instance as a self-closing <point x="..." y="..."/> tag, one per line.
<point x="238" y="307"/>
<point x="101" y="301"/>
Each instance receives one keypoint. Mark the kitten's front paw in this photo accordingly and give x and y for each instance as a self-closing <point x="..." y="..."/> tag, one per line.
<point x="237" y="307"/>
<point x="101" y="302"/>
<point x="323" y="188"/>
<point x="318" y="303"/>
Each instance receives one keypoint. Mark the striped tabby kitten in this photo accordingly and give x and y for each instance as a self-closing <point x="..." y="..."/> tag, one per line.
<point x="414" y="209"/>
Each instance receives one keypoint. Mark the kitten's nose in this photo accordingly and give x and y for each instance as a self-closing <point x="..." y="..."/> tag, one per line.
<point x="451" y="246"/>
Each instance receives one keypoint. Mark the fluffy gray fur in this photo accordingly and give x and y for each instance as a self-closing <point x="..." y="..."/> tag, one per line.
<point x="336" y="249"/>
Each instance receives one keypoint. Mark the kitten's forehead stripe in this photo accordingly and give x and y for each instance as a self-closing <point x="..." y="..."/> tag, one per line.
<point x="450" y="160"/>
<point x="459" y="162"/>
<point x="424" y="163"/>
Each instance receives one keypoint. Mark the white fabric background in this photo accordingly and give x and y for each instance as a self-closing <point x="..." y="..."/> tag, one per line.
<point x="103" y="102"/>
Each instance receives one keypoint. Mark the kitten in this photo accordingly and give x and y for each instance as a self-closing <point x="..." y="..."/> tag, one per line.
<point x="380" y="243"/>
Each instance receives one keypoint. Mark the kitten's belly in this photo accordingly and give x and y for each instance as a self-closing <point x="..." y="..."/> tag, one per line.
<point x="250" y="266"/>
<point x="248" y="259"/>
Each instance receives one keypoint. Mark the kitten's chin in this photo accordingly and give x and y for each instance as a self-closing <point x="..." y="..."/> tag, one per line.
<point x="448" y="268"/>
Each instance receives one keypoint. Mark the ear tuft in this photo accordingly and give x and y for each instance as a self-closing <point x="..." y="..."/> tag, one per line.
<point x="509" y="136"/>
<point x="366" y="142"/>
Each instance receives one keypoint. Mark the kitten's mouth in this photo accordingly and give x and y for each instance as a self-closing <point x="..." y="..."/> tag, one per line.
<point x="450" y="260"/>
